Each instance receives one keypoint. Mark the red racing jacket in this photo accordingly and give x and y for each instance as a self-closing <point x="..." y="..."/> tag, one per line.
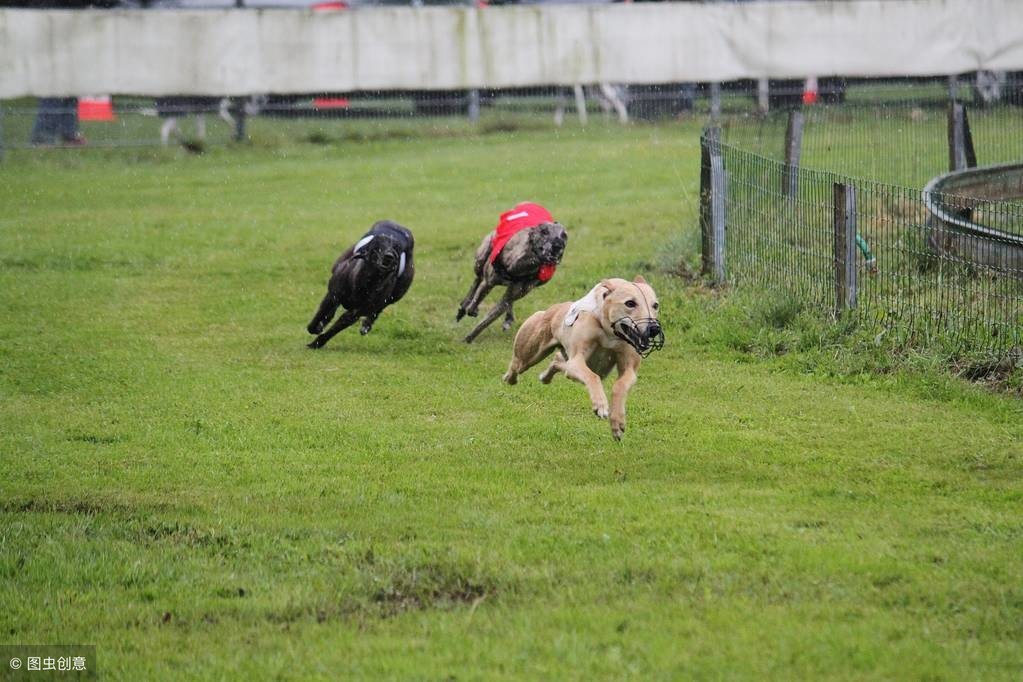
<point x="522" y="217"/>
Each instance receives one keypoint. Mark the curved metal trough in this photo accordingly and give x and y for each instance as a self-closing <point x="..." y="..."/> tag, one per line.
<point x="954" y="201"/>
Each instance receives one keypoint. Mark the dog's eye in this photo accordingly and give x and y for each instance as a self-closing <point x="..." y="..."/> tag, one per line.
<point x="657" y="305"/>
<point x="630" y="304"/>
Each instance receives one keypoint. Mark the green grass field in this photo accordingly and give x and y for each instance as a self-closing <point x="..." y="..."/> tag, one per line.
<point x="185" y="485"/>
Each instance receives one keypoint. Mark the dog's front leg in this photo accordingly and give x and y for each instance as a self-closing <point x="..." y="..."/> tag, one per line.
<point x="623" y="384"/>
<point x="328" y="306"/>
<point x="575" y="368"/>
<point x="346" y="320"/>
<point x="367" y="322"/>
<point x="509" y="318"/>
<point x="548" y="374"/>
<point x="484" y="288"/>
<point x="495" y="313"/>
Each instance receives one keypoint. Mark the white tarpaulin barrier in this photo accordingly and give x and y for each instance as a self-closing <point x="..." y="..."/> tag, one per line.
<point x="226" y="52"/>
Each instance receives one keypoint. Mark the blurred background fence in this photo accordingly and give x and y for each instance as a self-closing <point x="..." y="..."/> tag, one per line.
<point x="842" y="128"/>
<point x="134" y="120"/>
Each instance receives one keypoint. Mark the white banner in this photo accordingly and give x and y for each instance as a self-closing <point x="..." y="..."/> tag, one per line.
<point x="236" y="52"/>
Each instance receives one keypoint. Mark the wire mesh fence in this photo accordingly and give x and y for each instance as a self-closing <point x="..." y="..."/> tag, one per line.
<point x="841" y="127"/>
<point x="891" y="132"/>
<point x="872" y="251"/>
<point x="128" y="121"/>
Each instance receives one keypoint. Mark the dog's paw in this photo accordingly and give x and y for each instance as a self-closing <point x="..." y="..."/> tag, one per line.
<point x="315" y="327"/>
<point x="510" y="378"/>
<point x="314" y="344"/>
<point x="364" y="330"/>
<point x="617" y="428"/>
<point x="472" y="313"/>
<point x="460" y="314"/>
<point x="507" y="325"/>
<point x="600" y="411"/>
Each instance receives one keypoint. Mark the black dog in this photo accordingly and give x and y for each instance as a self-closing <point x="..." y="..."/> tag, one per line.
<point x="521" y="254"/>
<point x="367" y="278"/>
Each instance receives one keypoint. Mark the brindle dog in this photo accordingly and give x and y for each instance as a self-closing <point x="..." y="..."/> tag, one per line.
<point x="368" y="277"/>
<point x="516" y="267"/>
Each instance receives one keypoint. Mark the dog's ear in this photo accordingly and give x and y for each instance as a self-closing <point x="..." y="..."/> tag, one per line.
<point x="639" y="280"/>
<point x="608" y="288"/>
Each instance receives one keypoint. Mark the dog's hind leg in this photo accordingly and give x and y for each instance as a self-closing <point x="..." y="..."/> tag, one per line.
<point x="520" y="364"/>
<point x="548" y="374"/>
<point x="509" y="318"/>
<point x="533" y="342"/>
<point x="494" y="313"/>
<point x="367" y="322"/>
<point x="346" y="320"/>
<point x="328" y="306"/>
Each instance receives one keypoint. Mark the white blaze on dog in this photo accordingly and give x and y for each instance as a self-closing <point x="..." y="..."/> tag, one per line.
<point x="401" y="264"/>
<point x="362" y="242"/>
<point x="589" y="303"/>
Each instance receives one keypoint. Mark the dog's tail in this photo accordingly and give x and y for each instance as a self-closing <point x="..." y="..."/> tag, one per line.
<point x="533" y="342"/>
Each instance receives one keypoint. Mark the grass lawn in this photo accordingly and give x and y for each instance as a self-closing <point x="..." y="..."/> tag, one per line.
<point x="185" y="485"/>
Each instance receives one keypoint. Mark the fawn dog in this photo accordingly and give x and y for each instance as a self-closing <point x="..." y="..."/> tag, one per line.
<point x="614" y="326"/>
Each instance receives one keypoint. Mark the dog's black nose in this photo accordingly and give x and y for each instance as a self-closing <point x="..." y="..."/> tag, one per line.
<point x="388" y="260"/>
<point x="653" y="329"/>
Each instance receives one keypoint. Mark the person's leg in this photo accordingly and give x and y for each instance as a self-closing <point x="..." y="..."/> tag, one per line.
<point x="47" y="112"/>
<point x="68" y="125"/>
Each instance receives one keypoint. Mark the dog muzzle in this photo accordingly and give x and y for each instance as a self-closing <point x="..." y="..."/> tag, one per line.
<point x="385" y="265"/>
<point x="645" y="342"/>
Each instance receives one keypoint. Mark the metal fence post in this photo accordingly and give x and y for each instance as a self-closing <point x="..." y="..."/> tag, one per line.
<point x="718" y="188"/>
<point x="763" y="95"/>
<point x="793" y="148"/>
<point x="580" y="103"/>
<point x="953" y="88"/>
<point x="961" y="153"/>
<point x="715" y="101"/>
<point x="845" y="246"/>
<point x="708" y="148"/>
<point x="473" y="108"/>
<point x="971" y="153"/>
<point x="238" y="105"/>
<point x="1" y="131"/>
